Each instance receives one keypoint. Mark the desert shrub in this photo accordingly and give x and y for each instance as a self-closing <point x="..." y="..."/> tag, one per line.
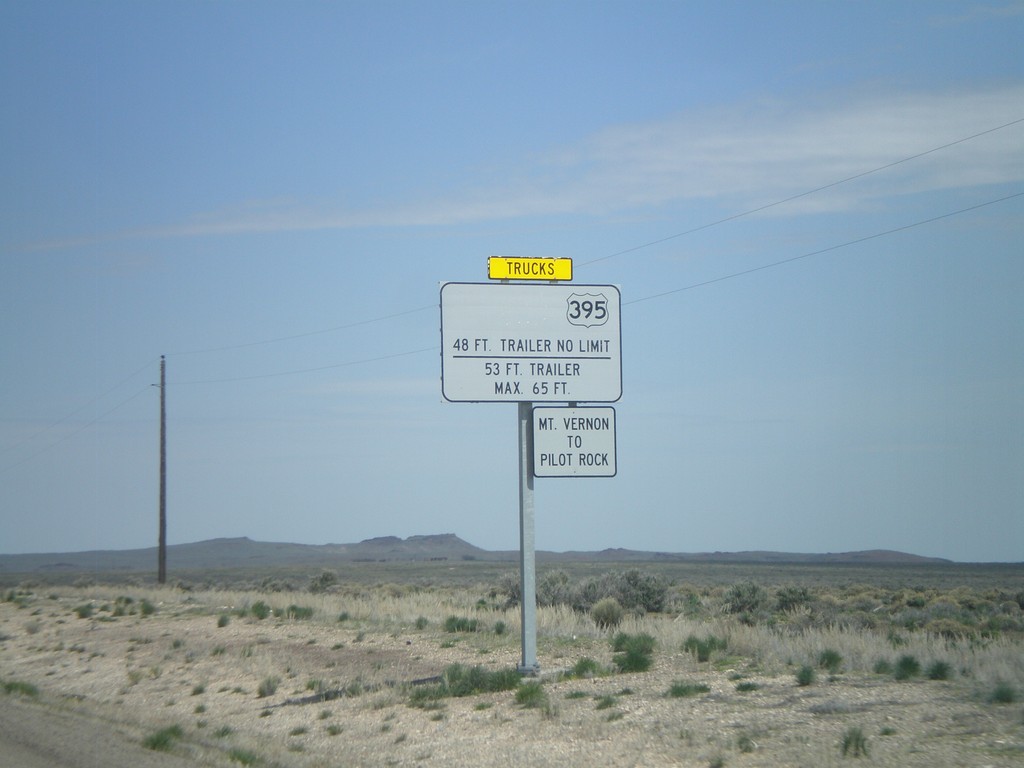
<point x="636" y="591"/>
<point x="642" y="641"/>
<point x="356" y="687"/>
<point x="993" y="625"/>
<point x="146" y="608"/>
<point x="854" y="743"/>
<point x="164" y="739"/>
<point x="531" y="695"/>
<point x="459" y="681"/>
<point x="586" y="667"/>
<point x="85" y="610"/>
<point x="299" y="612"/>
<point x="1003" y="693"/>
<point x="323" y="582"/>
<point x="831" y="660"/>
<point x="907" y="667"/>
<point x="917" y="599"/>
<point x="260" y="610"/>
<point x="554" y="588"/>
<point x="606" y="613"/>
<point x="790" y="598"/>
<point x="463" y="681"/>
<point x="422" y="622"/>
<point x="632" y="660"/>
<point x="633" y="652"/>
<point x="883" y="667"/>
<point x="895" y="639"/>
<point x="267" y="687"/>
<point x="509" y="586"/>
<point x="270" y="584"/>
<point x="223" y="620"/>
<point x="746" y="597"/>
<point x="805" y="676"/>
<point x="21" y="688"/>
<point x="939" y="670"/>
<point x="680" y="690"/>
<point x="949" y="628"/>
<point x="641" y="592"/>
<point x="688" y="601"/>
<point x="460" y="624"/>
<point x="243" y="756"/>
<point x="500" y="628"/>
<point x="702" y="648"/>
<point x="747" y="686"/>
<point x="122" y="606"/>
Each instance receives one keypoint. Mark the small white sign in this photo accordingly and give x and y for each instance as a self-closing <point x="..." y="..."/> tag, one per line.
<point x="530" y="343"/>
<point x="573" y="442"/>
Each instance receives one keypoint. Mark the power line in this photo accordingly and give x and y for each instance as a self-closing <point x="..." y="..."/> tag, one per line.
<point x="78" y="410"/>
<point x="790" y="199"/>
<point x="824" y="250"/>
<point x="69" y="435"/>
<point x="353" y="324"/>
<point x="311" y="370"/>
<point x="722" y="278"/>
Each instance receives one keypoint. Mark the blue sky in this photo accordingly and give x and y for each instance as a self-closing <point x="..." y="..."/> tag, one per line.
<point x="812" y="210"/>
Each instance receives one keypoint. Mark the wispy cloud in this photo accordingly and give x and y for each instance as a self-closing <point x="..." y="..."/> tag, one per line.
<point x="979" y="13"/>
<point x="760" y="152"/>
<point x="740" y="155"/>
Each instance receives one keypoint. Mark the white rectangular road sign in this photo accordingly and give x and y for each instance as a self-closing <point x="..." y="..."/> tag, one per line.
<point x="573" y="442"/>
<point x="507" y="342"/>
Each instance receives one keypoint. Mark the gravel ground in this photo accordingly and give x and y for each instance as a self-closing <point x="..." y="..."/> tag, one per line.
<point x="241" y="694"/>
<point x="37" y="734"/>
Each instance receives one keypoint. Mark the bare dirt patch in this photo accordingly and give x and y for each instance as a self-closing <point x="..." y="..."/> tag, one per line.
<point x="323" y="692"/>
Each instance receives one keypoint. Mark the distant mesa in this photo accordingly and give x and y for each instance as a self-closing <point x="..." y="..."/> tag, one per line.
<point x="237" y="552"/>
<point x="382" y="540"/>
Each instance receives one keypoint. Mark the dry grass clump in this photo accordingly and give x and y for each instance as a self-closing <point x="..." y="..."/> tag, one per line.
<point x="459" y="681"/>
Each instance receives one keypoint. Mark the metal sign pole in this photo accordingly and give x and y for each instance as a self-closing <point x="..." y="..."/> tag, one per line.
<point x="540" y="343"/>
<point x="527" y="558"/>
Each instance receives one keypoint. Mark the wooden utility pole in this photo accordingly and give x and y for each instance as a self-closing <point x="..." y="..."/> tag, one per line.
<point x="162" y="556"/>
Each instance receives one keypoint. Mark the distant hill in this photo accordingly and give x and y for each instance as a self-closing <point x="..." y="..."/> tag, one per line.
<point x="244" y="552"/>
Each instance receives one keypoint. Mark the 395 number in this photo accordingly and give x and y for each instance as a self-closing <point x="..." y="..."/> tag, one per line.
<point x="587" y="310"/>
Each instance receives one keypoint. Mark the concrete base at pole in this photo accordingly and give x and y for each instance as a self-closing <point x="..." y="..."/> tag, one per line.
<point x="527" y="556"/>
